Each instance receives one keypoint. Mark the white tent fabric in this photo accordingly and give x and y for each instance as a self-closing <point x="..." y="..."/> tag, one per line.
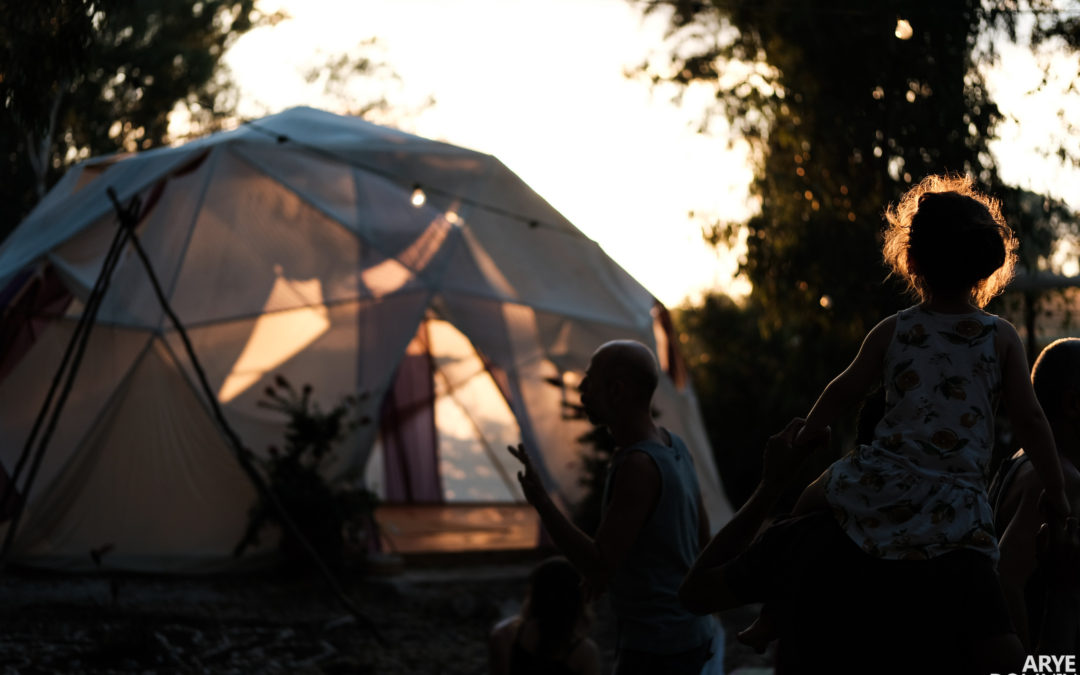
<point x="290" y="245"/>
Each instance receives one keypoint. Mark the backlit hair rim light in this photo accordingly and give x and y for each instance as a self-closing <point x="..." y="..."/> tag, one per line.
<point x="983" y="243"/>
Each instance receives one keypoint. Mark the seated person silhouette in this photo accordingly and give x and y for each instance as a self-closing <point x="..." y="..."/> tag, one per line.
<point x="549" y="636"/>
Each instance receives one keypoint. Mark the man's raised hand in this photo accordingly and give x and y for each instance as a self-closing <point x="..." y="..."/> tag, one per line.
<point x="529" y="479"/>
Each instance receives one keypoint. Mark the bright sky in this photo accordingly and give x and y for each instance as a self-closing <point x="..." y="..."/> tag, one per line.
<point x="1032" y="130"/>
<point x="540" y="85"/>
<point x="1033" y="121"/>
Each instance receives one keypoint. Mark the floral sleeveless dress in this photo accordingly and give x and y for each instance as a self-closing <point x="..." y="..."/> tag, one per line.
<point x="919" y="489"/>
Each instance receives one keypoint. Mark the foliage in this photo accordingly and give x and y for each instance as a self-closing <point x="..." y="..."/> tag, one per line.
<point x="842" y="116"/>
<point x="1043" y="225"/>
<point x="344" y="80"/>
<point x="86" y="77"/>
<point x="750" y="382"/>
<point x="320" y="512"/>
<point x="1062" y="29"/>
<point x="82" y="78"/>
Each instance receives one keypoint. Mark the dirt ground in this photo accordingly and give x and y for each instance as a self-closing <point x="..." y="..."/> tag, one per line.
<point x="432" y="616"/>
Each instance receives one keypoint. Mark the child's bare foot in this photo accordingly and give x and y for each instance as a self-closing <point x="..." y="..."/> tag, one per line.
<point x="758" y="634"/>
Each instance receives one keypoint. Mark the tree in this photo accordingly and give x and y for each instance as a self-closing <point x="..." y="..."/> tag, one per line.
<point x="735" y="368"/>
<point x="1043" y="225"/>
<point x="86" y="77"/>
<point x="343" y="78"/>
<point x="845" y="104"/>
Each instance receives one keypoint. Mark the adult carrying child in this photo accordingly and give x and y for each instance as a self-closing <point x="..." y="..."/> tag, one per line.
<point x="913" y="499"/>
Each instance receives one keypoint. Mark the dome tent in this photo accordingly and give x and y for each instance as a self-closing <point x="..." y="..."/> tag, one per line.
<point x="427" y="279"/>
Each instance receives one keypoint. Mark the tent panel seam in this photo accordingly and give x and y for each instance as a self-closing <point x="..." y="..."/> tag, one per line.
<point x="333" y="218"/>
<point x="92" y="215"/>
<point x="211" y="168"/>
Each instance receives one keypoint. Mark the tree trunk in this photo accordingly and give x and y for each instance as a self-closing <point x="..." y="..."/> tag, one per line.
<point x="38" y="150"/>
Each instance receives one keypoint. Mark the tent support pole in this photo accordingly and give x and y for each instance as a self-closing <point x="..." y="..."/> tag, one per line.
<point x="243" y="456"/>
<point x="73" y="355"/>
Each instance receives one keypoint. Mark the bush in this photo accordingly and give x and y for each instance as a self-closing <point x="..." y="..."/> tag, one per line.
<point x="294" y="478"/>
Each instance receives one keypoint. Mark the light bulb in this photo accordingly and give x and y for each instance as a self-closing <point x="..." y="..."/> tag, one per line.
<point x="903" y="29"/>
<point x="418" y="197"/>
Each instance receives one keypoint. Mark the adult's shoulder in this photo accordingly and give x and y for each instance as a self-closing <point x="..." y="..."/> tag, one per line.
<point x="643" y="452"/>
<point x="673" y="439"/>
<point x="636" y="460"/>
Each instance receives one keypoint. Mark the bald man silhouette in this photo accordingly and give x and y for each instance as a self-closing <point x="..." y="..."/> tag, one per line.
<point x="653" y="523"/>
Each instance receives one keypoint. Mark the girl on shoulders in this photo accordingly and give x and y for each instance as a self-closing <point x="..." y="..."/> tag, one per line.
<point x="917" y="491"/>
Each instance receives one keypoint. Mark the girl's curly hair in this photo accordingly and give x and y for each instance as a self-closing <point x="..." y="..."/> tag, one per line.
<point x="945" y="235"/>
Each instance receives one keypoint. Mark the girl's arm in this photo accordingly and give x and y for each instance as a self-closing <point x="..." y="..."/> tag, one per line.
<point x="1028" y="420"/>
<point x="850" y="386"/>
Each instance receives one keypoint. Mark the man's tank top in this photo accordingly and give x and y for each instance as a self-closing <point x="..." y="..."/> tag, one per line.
<point x="644" y="590"/>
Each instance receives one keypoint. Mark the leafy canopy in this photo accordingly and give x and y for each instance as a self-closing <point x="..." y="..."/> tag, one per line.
<point x="88" y="77"/>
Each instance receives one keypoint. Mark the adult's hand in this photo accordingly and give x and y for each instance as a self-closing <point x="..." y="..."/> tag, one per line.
<point x="705" y="588"/>
<point x="1057" y="549"/>
<point x="783" y="458"/>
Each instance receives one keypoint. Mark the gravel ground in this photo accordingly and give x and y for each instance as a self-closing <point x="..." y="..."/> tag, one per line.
<point x="433" y="618"/>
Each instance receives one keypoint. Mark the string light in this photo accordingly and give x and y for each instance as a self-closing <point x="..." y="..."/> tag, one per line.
<point x="418" y="197"/>
<point x="419" y="194"/>
<point x="903" y="31"/>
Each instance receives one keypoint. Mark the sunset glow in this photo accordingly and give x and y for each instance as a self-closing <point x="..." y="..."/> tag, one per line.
<point x="543" y="87"/>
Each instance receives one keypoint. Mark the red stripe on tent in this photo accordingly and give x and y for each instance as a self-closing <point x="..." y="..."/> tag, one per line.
<point x="40" y="300"/>
<point x="410" y="440"/>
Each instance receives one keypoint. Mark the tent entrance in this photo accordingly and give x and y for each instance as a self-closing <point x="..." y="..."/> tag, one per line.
<point x="440" y="464"/>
